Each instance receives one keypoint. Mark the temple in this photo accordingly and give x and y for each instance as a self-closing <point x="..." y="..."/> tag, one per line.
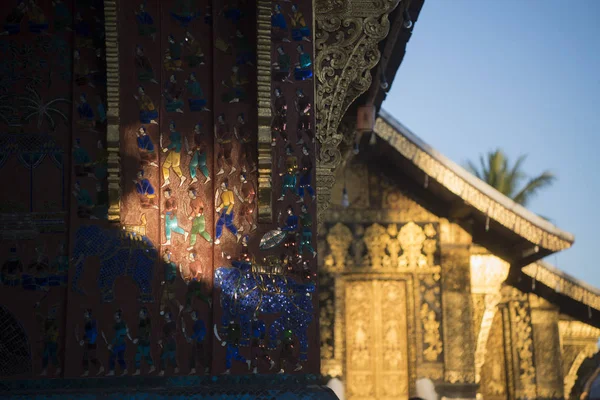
<point x="427" y="272"/>
<point x="172" y="225"/>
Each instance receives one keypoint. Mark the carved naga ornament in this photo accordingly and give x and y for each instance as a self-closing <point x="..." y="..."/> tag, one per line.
<point x="347" y="36"/>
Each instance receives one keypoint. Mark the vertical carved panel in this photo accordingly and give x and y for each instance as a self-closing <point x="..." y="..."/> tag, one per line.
<point x="519" y="345"/>
<point x="360" y="341"/>
<point x="548" y="360"/>
<point x="392" y="356"/>
<point x="457" y="316"/>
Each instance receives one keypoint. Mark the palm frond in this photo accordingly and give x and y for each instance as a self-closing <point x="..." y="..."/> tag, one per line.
<point x="533" y="186"/>
<point x="469" y="166"/>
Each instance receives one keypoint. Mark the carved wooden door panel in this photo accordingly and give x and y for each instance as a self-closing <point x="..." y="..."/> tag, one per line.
<point x="376" y="340"/>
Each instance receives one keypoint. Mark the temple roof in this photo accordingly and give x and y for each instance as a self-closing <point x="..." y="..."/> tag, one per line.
<point x="527" y="236"/>
<point x="496" y="222"/>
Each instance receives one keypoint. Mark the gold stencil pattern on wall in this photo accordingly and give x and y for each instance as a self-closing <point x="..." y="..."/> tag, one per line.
<point x="376" y="337"/>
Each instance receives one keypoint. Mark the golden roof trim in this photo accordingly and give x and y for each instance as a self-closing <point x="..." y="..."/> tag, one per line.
<point x="473" y="191"/>
<point x="564" y="284"/>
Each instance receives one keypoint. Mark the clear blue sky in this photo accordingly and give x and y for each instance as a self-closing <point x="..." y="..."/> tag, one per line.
<point x="522" y="75"/>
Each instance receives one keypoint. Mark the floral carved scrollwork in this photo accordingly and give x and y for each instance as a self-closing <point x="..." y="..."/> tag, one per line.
<point x="346" y="45"/>
<point x="411" y="239"/>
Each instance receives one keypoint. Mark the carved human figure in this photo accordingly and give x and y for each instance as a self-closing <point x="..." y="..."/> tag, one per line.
<point x="146" y="148"/>
<point x="289" y="181"/>
<point x="282" y="67"/>
<point x="145" y="191"/>
<point x="291" y="227"/>
<point x="50" y="331"/>
<point x="232" y="338"/>
<point x="306" y="165"/>
<point x="170" y="217"/>
<point x="197" y="339"/>
<point x="145" y="22"/>
<point x="244" y="53"/>
<point x="118" y="345"/>
<point x="247" y="197"/>
<point x="101" y="205"/>
<point x="142" y="341"/>
<point x="173" y="95"/>
<point x="12" y="269"/>
<point x="196" y="102"/>
<point x="81" y="70"/>
<point x="168" y="342"/>
<point x="60" y="267"/>
<point x="38" y="23"/>
<point x="257" y="345"/>
<point x="184" y="12"/>
<point x="194" y="283"/>
<point x="148" y="112"/>
<point x="173" y="158"/>
<point x="235" y="86"/>
<point x="287" y="354"/>
<point x="306" y="238"/>
<point x="279" y="28"/>
<point x="300" y="31"/>
<point x="62" y="16"/>
<point x="12" y="26"/>
<point x="173" y="55"/>
<point x="85" y="204"/>
<point x="86" y="112"/>
<point x="199" y="156"/>
<point x="89" y="342"/>
<point x="279" y="125"/>
<point x="145" y="72"/>
<point x="225" y="208"/>
<point x="224" y="137"/>
<point x="246" y="156"/>
<point x="83" y="164"/>
<point x="198" y="219"/>
<point x="168" y="283"/>
<point x="303" y="68"/>
<point x="303" y="108"/>
<point x="194" y="47"/>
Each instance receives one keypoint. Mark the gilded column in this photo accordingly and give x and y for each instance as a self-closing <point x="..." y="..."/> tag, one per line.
<point x="546" y="344"/>
<point x="459" y="343"/>
<point x="112" y="114"/>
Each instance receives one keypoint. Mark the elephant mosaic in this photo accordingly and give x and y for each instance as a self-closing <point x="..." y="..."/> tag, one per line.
<point x="245" y="293"/>
<point x="121" y="254"/>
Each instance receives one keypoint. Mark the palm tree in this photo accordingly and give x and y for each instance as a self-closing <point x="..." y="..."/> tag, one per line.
<point x="36" y="106"/>
<point x="497" y="172"/>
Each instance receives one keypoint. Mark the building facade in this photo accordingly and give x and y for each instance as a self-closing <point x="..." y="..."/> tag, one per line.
<point x="416" y="282"/>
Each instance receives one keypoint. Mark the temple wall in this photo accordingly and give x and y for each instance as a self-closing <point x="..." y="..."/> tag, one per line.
<point x="106" y="108"/>
<point x="464" y="329"/>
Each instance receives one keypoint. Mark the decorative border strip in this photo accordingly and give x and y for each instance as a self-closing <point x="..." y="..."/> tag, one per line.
<point x="471" y="195"/>
<point x="112" y="97"/>
<point x="263" y="51"/>
<point x="562" y="285"/>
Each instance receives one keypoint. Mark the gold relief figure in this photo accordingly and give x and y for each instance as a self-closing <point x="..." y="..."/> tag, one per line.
<point x="411" y="239"/>
<point x="247" y="148"/>
<point x="339" y="239"/>
<point x="376" y="239"/>
<point x="431" y="334"/>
